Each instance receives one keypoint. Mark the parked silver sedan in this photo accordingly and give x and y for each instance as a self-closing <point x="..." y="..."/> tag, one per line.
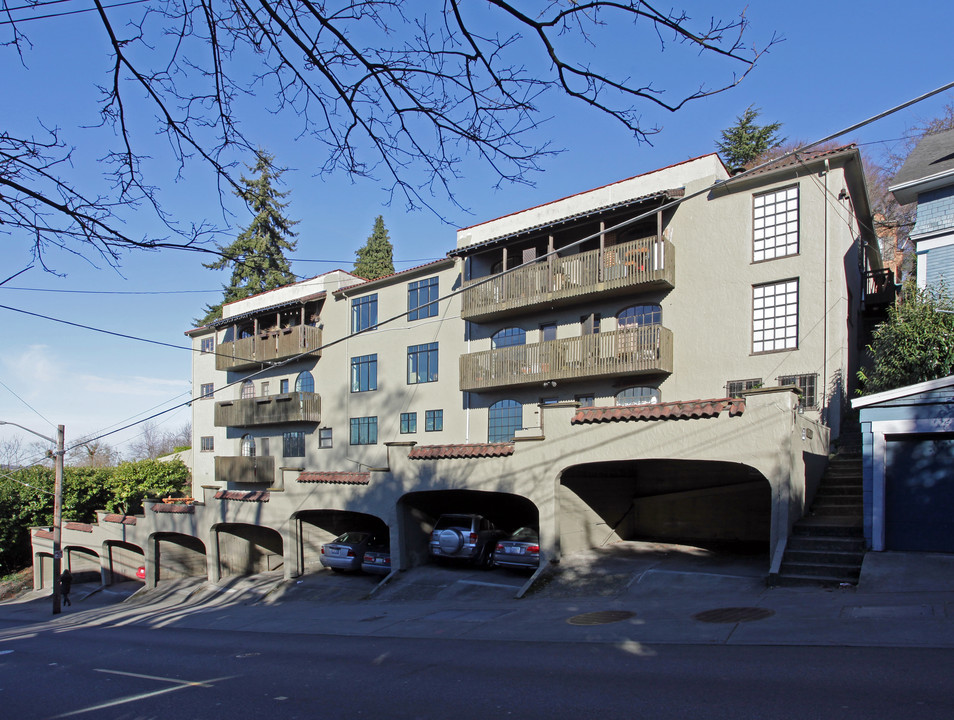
<point x="521" y="550"/>
<point x="346" y="551"/>
<point x="377" y="559"/>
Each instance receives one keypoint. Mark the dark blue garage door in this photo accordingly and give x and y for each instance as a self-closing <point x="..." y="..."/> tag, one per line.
<point x="919" y="493"/>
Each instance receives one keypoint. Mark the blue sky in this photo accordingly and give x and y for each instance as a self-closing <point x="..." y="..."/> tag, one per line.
<point x="839" y="63"/>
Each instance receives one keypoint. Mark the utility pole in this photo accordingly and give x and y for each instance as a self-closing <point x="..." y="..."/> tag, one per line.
<point x="59" y="453"/>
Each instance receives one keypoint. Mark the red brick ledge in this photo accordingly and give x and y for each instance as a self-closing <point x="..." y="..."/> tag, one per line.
<point x="239" y="495"/>
<point x="693" y="409"/>
<point x="45" y="534"/>
<point x="121" y="519"/>
<point x="173" y="509"/>
<point x="81" y="527"/>
<point x="477" y="450"/>
<point x="337" y="478"/>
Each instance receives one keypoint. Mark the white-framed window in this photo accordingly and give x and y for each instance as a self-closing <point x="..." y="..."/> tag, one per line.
<point x="364" y="313"/>
<point x="325" y="438"/>
<point x="248" y="389"/>
<point x="206" y="390"/>
<point x="207" y="444"/>
<point x="775" y="316"/>
<point x="248" y="446"/>
<point x="207" y="345"/>
<point x="775" y="224"/>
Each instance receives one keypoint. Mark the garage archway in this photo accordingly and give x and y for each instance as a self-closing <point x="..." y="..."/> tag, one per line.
<point x="316" y="527"/>
<point x="178" y="556"/>
<point x="122" y="561"/>
<point x="418" y="511"/>
<point x="696" y="502"/>
<point x="247" y="549"/>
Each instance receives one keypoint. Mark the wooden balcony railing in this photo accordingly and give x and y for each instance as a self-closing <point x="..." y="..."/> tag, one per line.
<point x="636" y="351"/>
<point x="268" y="346"/>
<point x="648" y="263"/>
<point x="879" y="289"/>
<point x="245" y="470"/>
<point x="269" y="410"/>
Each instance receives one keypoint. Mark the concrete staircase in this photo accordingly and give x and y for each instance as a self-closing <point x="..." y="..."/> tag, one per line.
<point x="827" y="546"/>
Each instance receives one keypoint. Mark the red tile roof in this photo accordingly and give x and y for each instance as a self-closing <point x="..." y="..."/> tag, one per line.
<point x="660" y="411"/>
<point x="166" y="508"/>
<point x="46" y="534"/>
<point x="338" y="478"/>
<point x="477" y="450"/>
<point x="802" y="158"/>
<point x="117" y="518"/>
<point x="240" y="495"/>
<point x="81" y="527"/>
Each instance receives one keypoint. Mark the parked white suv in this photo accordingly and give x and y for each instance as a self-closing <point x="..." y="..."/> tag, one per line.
<point x="468" y="537"/>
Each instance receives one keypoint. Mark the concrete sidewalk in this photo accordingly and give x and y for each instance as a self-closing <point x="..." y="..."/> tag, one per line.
<point x="902" y="600"/>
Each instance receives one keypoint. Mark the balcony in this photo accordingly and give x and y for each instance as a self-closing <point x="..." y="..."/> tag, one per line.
<point x="259" y="470"/>
<point x="637" y="351"/>
<point x="272" y="346"/>
<point x="879" y="290"/>
<point x="643" y="264"/>
<point x="269" y="410"/>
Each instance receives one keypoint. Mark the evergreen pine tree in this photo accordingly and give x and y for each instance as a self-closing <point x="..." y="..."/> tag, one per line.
<point x="745" y="141"/>
<point x="376" y="258"/>
<point x="257" y="257"/>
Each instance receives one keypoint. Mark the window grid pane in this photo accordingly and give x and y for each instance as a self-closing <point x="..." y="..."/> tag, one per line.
<point x="207" y="444"/>
<point x="364" y="313"/>
<point x="293" y="444"/>
<point x="775" y="317"/>
<point x="505" y="418"/>
<point x="206" y="390"/>
<point x="421" y="297"/>
<point x="408" y="423"/>
<point x="364" y="373"/>
<point x="433" y="420"/>
<point x="775" y="224"/>
<point x="364" y="431"/>
<point x="305" y="382"/>
<point x="324" y="438"/>
<point x="508" y="337"/>
<point x="807" y="384"/>
<point x="735" y="388"/>
<point x="638" y="396"/>
<point x="422" y="364"/>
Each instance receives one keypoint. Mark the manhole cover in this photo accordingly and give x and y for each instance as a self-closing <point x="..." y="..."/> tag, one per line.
<point x="733" y="615"/>
<point x="603" y="617"/>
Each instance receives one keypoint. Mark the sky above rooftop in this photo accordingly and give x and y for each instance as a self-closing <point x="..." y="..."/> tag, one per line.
<point x="839" y="63"/>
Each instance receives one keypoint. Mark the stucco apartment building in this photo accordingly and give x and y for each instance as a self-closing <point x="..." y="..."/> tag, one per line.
<point x="664" y="357"/>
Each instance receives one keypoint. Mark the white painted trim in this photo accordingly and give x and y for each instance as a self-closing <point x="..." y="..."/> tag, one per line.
<point x="933" y="240"/>
<point x="880" y="431"/>
<point x="926" y="386"/>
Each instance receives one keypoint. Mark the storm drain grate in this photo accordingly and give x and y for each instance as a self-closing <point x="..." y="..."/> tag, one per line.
<point x="733" y="615"/>
<point x="603" y="617"/>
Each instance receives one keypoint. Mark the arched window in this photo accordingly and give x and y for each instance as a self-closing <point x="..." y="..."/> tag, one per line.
<point x="248" y="389"/>
<point x="508" y="337"/>
<point x="505" y="418"/>
<point x="640" y="315"/>
<point x="248" y="446"/>
<point x="305" y="382"/>
<point x="638" y="396"/>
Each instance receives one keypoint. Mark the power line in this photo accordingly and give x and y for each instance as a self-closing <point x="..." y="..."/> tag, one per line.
<point x="65" y="14"/>
<point x="45" y="419"/>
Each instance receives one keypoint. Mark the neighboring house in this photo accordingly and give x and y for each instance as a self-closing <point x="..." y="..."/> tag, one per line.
<point x="664" y="357"/>
<point x="908" y="446"/>
<point x="927" y="177"/>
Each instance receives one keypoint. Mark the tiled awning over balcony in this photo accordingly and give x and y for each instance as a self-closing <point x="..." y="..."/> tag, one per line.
<point x="628" y="267"/>
<point x="245" y="469"/>
<point x="272" y="346"/>
<point x="632" y="351"/>
<point x="269" y="410"/>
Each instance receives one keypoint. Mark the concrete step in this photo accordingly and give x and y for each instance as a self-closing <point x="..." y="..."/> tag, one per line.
<point x="823" y="557"/>
<point x="826" y="543"/>
<point x="835" y="491"/>
<point x="841" y="510"/>
<point x="793" y="580"/>
<point x="827" y="571"/>
<point x="828" y="526"/>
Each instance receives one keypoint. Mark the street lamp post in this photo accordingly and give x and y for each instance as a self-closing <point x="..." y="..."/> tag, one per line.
<point x="60" y="443"/>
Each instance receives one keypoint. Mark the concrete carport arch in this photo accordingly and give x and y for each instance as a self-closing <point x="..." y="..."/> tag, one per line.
<point x="121" y="560"/>
<point x="83" y="564"/>
<point x="244" y="549"/>
<point x="172" y="555"/>
<point x="316" y="527"/>
<point x="418" y="511"/>
<point x="668" y="500"/>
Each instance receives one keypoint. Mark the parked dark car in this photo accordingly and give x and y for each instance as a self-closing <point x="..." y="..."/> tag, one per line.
<point x="346" y="551"/>
<point x="521" y="550"/>
<point x="377" y="558"/>
<point x="466" y="537"/>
